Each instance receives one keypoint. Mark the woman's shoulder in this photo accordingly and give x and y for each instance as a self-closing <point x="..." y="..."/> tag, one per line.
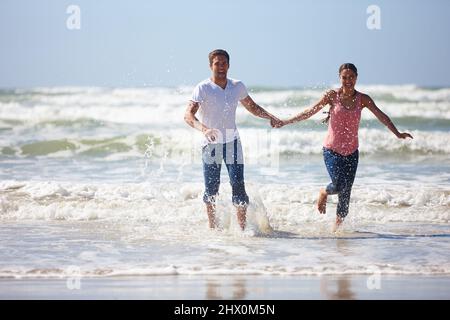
<point x="365" y="99"/>
<point x="363" y="95"/>
<point x="331" y="94"/>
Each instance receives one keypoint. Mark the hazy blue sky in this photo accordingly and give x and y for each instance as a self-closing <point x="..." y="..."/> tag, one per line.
<point x="271" y="43"/>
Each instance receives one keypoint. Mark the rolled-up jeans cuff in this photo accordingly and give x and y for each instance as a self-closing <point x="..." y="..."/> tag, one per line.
<point x="243" y="203"/>
<point x="331" y="189"/>
<point x="209" y="199"/>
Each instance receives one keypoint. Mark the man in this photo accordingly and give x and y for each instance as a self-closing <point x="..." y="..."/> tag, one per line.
<point x="217" y="98"/>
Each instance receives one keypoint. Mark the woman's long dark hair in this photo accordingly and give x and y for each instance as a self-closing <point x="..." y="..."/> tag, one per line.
<point x="349" y="66"/>
<point x="343" y="67"/>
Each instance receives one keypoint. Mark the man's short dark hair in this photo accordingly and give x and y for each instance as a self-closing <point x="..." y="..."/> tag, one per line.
<point x="218" y="52"/>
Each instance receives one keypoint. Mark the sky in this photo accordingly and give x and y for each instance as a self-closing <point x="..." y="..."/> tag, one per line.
<point x="273" y="43"/>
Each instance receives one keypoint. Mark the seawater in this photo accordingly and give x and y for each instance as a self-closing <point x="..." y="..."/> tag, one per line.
<point x="109" y="181"/>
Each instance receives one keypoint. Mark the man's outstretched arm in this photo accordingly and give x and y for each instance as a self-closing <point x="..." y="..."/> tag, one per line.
<point x="256" y="110"/>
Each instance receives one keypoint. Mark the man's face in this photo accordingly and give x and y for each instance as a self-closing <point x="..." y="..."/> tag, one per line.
<point x="219" y="67"/>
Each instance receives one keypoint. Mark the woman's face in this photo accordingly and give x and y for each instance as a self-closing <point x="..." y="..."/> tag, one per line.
<point x="348" y="79"/>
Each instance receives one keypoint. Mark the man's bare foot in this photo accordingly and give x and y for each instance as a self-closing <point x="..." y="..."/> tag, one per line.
<point x="241" y="216"/>
<point x="211" y="211"/>
<point x="322" y="201"/>
<point x="212" y="224"/>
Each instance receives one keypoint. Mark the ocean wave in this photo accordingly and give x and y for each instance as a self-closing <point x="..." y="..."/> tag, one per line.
<point x="167" y="105"/>
<point x="177" y="144"/>
<point x="283" y="205"/>
<point x="433" y="120"/>
<point x="406" y="93"/>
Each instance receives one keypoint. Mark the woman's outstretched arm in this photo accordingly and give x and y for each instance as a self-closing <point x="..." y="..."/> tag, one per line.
<point x="308" y="113"/>
<point x="383" y="118"/>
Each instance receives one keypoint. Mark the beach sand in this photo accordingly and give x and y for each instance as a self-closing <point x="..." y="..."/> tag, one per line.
<point x="229" y="287"/>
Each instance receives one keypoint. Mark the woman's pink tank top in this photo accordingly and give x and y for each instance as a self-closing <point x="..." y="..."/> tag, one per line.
<point x="343" y="127"/>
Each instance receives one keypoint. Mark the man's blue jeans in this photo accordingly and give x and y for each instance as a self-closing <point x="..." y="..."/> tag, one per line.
<point x="342" y="171"/>
<point x="231" y="154"/>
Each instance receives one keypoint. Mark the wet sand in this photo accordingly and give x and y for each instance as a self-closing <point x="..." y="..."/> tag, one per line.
<point x="231" y="287"/>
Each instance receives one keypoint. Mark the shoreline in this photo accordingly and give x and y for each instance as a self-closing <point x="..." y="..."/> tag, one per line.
<point x="238" y="287"/>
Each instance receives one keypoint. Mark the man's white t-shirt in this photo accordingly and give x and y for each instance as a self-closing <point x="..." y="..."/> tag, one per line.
<point x="218" y="107"/>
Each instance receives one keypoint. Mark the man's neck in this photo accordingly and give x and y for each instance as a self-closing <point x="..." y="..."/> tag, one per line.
<point x="222" y="82"/>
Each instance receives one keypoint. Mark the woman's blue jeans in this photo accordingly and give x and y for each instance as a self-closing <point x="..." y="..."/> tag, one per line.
<point x="342" y="171"/>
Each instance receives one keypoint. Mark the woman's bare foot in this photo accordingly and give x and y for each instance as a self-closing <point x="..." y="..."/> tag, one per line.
<point x="322" y="201"/>
<point x="338" y="223"/>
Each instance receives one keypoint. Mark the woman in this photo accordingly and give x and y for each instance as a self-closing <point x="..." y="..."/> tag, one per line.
<point x="340" y="149"/>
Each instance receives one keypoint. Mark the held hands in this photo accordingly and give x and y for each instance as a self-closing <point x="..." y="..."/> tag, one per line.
<point x="276" y="123"/>
<point x="404" y="135"/>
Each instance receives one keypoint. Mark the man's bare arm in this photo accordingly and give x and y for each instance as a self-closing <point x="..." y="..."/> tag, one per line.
<point x="255" y="109"/>
<point x="191" y="119"/>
